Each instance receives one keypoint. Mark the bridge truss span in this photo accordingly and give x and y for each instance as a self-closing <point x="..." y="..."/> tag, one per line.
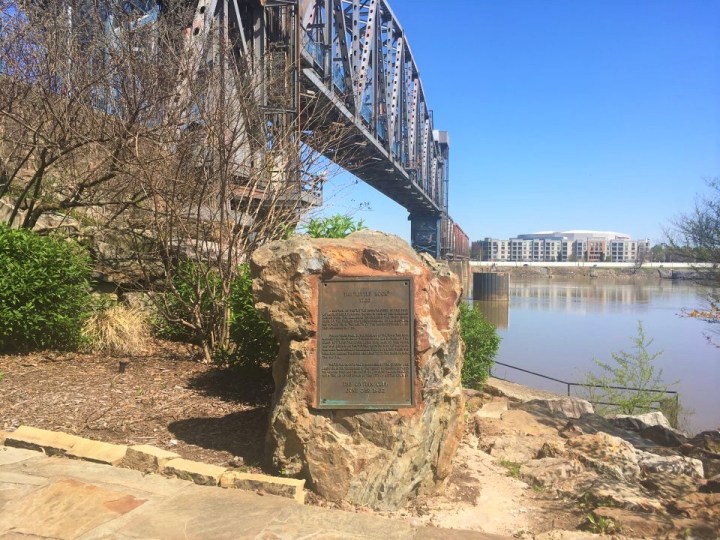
<point x="355" y="53"/>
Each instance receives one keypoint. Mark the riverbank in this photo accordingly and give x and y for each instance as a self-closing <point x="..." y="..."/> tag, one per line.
<point x="586" y="270"/>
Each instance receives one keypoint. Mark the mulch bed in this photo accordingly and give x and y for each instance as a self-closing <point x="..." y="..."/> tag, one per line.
<point x="166" y="398"/>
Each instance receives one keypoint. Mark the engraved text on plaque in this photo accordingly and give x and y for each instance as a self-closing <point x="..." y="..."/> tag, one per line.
<point x="365" y="344"/>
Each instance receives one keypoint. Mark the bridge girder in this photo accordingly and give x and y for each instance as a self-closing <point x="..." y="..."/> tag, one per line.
<point x="355" y="53"/>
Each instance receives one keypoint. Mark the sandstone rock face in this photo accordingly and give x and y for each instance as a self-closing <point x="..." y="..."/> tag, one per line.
<point x="377" y="458"/>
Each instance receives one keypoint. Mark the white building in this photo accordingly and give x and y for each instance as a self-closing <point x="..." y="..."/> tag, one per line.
<point x="561" y="246"/>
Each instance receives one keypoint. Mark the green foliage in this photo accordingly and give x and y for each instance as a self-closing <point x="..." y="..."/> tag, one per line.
<point x="252" y="343"/>
<point x="601" y="525"/>
<point x="481" y="346"/>
<point x="633" y="370"/>
<point x="44" y="290"/>
<point x="252" y="335"/>
<point x="337" y="226"/>
<point x="512" y="467"/>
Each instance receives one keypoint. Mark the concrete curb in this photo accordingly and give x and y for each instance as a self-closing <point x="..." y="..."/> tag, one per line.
<point x="150" y="459"/>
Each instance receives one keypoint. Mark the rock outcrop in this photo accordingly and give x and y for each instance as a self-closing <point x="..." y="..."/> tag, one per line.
<point x="635" y="474"/>
<point x="378" y="458"/>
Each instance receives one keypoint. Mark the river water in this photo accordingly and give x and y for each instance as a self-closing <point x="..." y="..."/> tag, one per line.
<point x="556" y="328"/>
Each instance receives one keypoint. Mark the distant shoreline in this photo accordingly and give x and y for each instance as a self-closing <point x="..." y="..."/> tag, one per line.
<point x="652" y="271"/>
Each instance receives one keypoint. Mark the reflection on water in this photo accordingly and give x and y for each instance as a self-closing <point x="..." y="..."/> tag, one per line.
<point x="558" y="327"/>
<point x="584" y="295"/>
<point x="495" y="311"/>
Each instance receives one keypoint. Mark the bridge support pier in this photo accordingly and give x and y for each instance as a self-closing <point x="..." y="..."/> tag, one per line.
<point x="425" y="233"/>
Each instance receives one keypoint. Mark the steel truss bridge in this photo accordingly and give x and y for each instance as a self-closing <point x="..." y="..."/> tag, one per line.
<point x="354" y="57"/>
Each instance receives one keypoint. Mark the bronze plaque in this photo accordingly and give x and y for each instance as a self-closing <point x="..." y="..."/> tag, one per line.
<point x="366" y="344"/>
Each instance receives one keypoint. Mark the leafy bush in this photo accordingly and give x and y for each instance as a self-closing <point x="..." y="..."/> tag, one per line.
<point x="481" y="346"/>
<point x="44" y="290"/>
<point x="116" y="330"/>
<point x="255" y="343"/>
<point x="252" y="343"/>
<point x="630" y="384"/>
<point x="337" y="226"/>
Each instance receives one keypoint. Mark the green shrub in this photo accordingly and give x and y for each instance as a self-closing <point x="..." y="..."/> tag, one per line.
<point x="630" y="383"/>
<point x="252" y="343"/>
<point x="253" y="338"/>
<point x="481" y="346"/>
<point x="337" y="226"/>
<point x="44" y="290"/>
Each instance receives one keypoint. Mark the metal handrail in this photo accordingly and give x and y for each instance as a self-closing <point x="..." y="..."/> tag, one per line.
<point x="569" y="384"/>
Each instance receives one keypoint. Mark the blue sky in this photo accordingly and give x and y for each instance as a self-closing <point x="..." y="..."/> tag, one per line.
<point x="593" y="114"/>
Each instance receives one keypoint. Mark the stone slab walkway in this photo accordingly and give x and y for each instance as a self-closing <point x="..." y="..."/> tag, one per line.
<point x="60" y="498"/>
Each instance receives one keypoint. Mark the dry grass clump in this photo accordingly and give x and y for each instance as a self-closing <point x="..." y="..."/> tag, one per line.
<point x="117" y="330"/>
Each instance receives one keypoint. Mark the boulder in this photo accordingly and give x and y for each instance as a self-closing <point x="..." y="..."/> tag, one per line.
<point x="704" y="506"/>
<point x="474" y="399"/>
<point x="606" y="455"/>
<point x="549" y="471"/>
<point x="646" y="525"/>
<point x="638" y="422"/>
<point x="567" y="406"/>
<point x="492" y="409"/>
<point x="375" y="458"/>
<point x="669" y="465"/>
<point x="708" y="441"/>
<point x="552" y="448"/>
<point x="594" y="423"/>
<point x="669" y="488"/>
<point x="516" y="448"/>
<point x="667" y="437"/>
<point x="515" y="391"/>
<point x="600" y="492"/>
<point x="705" y="446"/>
<point x="653" y="426"/>
<point x="712" y="485"/>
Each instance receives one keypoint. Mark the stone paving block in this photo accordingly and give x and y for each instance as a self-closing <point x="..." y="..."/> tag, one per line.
<point x="50" y="442"/>
<point x="21" y="479"/>
<point x="64" y="509"/>
<point x="97" y="451"/>
<point x="291" y="488"/>
<point x="10" y="455"/>
<point x="147" y="458"/>
<point x="200" y="473"/>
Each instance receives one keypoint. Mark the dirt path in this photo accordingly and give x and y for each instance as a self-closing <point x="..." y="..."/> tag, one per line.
<point x="483" y="495"/>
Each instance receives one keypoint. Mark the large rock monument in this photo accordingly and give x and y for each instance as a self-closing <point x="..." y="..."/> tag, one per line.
<point x="368" y="404"/>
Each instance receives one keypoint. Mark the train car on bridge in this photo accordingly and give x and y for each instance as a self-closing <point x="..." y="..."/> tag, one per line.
<point x="455" y="244"/>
